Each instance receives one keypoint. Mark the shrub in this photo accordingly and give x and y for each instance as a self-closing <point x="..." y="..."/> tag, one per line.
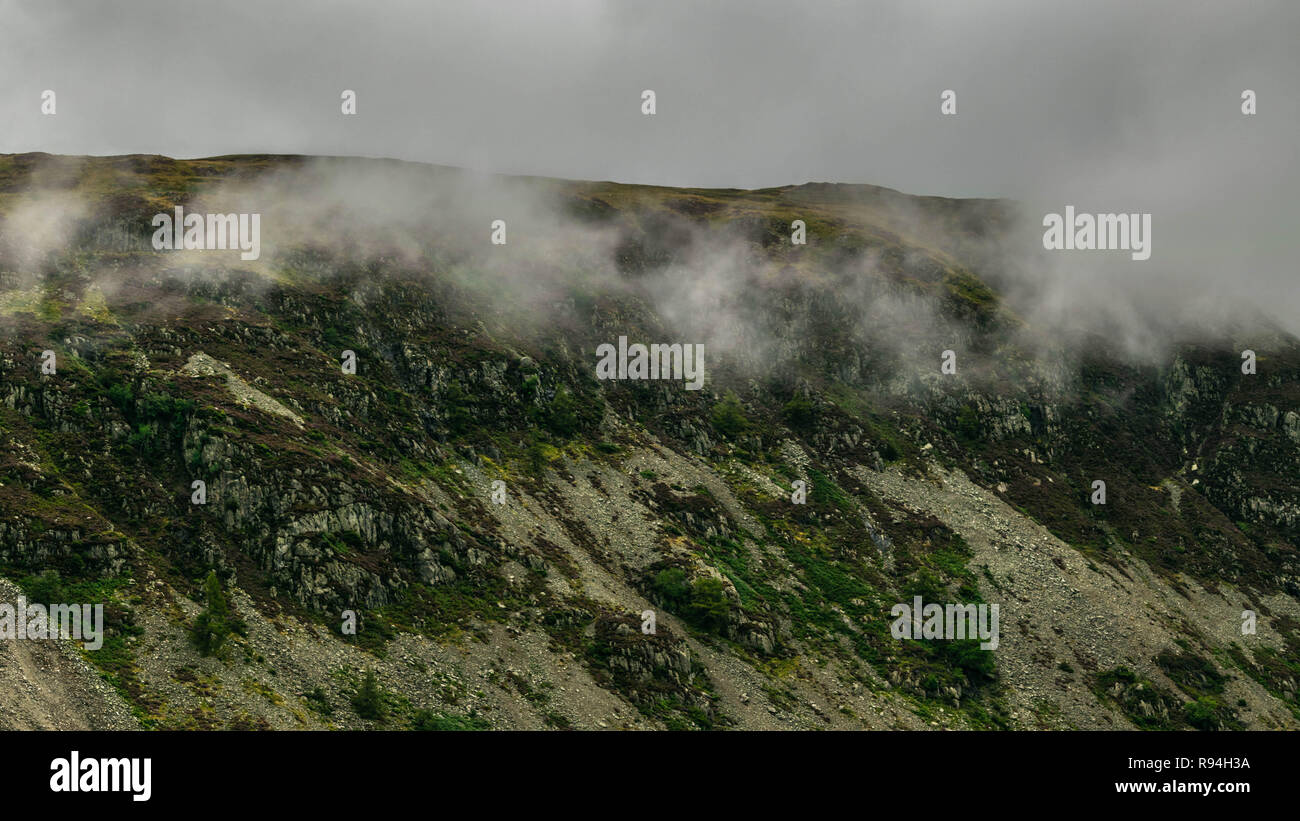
<point x="215" y="624"/>
<point x="537" y="458"/>
<point x="728" y="417"/>
<point x="429" y="721"/>
<point x="978" y="665"/>
<point x="671" y="588"/>
<point x="120" y="395"/>
<point x="709" y="606"/>
<point x="368" y="700"/>
<point x="562" y="418"/>
<point x="1202" y="713"/>
<point x="46" y="588"/>
<point x="319" y="702"/>
<point x="703" y="603"/>
<point x="968" y="424"/>
<point x="462" y="416"/>
<point x="799" y="413"/>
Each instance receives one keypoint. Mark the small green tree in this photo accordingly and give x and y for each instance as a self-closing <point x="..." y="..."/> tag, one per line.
<point x="799" y="413"/>
<point x="979" y="665"/>
<point x="728" y="416"/>
<point x="47" y="587"/>
<point x="709" y="606"/>
<point x="368" y="700"/>
<point x="214" y="625"/>
<point x="1203" y="714"/>
<point x="968" y="423"/>
<point x="670" y="584"/>
<point x="562" y="419"/>
<point x="461" y="413"/>
<point x="537" y="458"/>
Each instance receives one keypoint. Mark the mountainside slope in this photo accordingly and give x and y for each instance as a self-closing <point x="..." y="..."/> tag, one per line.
<point x="371" y="493"/>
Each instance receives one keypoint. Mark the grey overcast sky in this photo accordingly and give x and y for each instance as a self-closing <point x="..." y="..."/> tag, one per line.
<point x="750" y="94"/>
<point x="1110" y="106"/>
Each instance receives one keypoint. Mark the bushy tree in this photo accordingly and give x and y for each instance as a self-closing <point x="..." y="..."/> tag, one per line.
<point x="368" y="701"/>
<point x="214" y="625"/>
<point x="799" y="413"/>
<point x="729" y="417"/>
<point x="563" y="416"/>
<point x="709" y="606"/>
<point x="670" y="584"/>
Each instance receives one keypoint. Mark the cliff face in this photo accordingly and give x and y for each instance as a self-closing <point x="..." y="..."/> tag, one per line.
<point x="330" y="495"/>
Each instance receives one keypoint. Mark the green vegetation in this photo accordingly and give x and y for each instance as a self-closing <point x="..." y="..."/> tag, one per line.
<point x="1151" y="707"/>
<point x="1276" y="672"/>
<point x="115" y="659"/>
<point x="703" y="603"/>
<point x="368" y="701"/>
<point x="728" y="417"/>
<point x="430" y="721"/>
<point x="215" y="623"/>
<point x="799" y="413"/>
<point x="318" y="702"/>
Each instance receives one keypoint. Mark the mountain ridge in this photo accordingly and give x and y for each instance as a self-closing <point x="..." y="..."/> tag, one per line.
<point x="476" y="364"/>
